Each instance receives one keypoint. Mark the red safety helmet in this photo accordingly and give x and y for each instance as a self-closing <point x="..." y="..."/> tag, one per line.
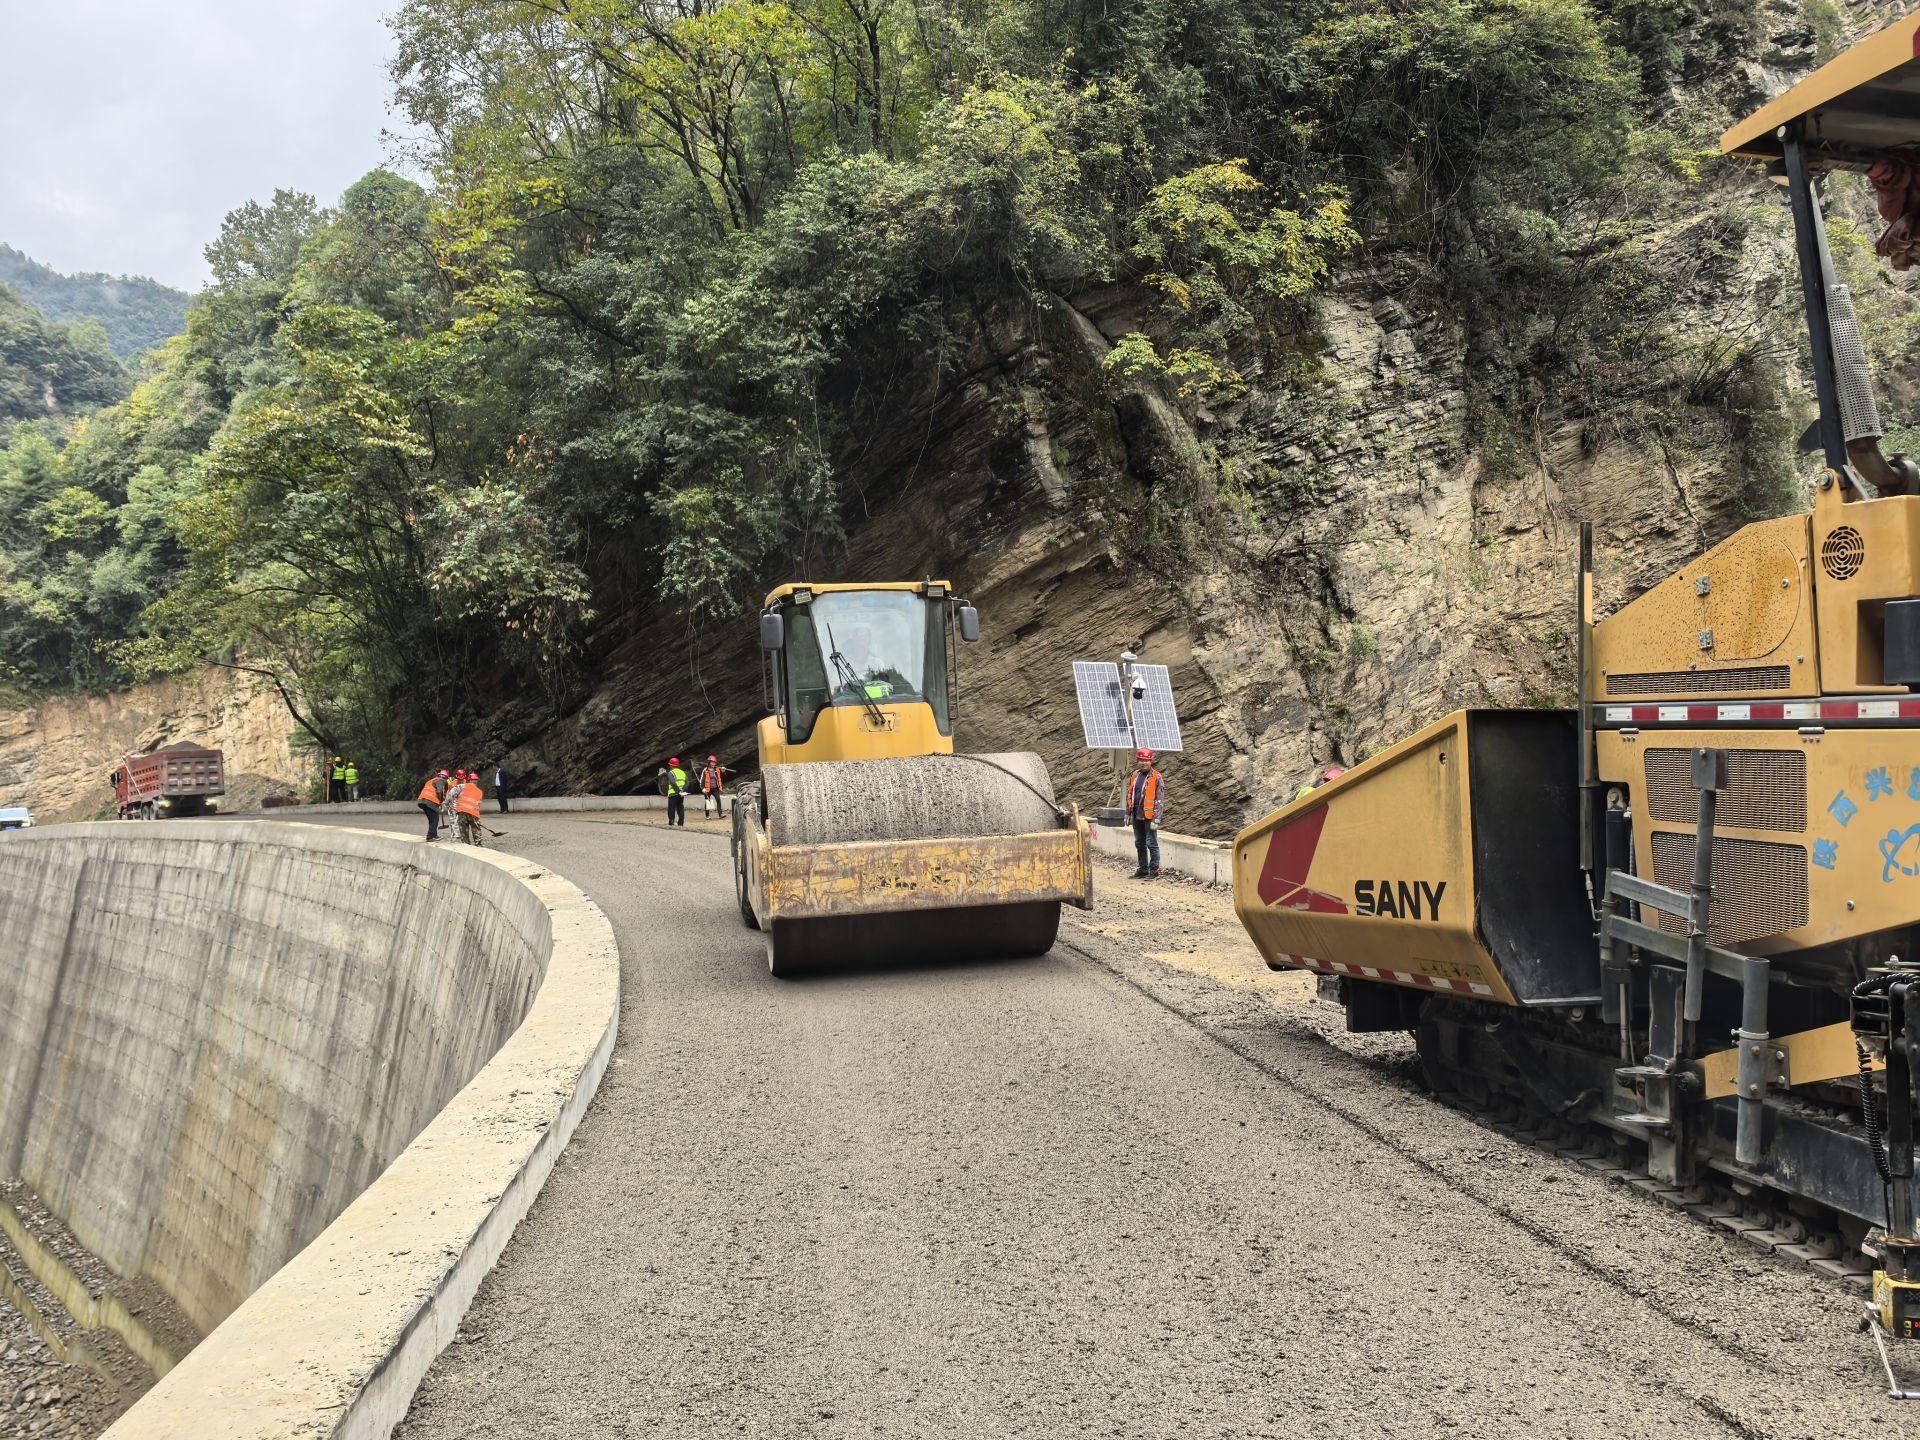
<point x="713" y="759"/>
<point x="443" y="776"/>
<point x="1334" y="774"/>
<point x="674" y="761"/>
<point x="1143" y="754"/>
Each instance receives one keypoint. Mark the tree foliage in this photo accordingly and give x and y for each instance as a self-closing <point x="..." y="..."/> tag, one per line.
<point x="48" y="369"/>
<point x="603" y="356"/>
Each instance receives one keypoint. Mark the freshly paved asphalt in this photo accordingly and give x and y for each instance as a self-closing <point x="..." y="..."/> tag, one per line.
<point x="1097" y="1193"/>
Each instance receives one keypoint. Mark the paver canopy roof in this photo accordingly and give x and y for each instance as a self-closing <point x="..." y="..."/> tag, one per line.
<point x="1856" y="105"/>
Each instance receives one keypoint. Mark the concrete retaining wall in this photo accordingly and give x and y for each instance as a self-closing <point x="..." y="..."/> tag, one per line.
<point x="533" y="804"/>
<point x="1208" y="860"/>
<point x="214" y="1035"/>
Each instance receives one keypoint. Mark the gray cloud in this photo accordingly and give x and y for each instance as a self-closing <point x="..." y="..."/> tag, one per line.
<point x="129" y="127"/>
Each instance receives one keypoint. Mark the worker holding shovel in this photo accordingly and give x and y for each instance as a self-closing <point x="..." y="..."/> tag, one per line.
<point x="466" y="807"/>
<point x="433" y="795"/>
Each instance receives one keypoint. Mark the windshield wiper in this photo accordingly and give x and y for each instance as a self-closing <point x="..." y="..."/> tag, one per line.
<point x="848" y="676"/>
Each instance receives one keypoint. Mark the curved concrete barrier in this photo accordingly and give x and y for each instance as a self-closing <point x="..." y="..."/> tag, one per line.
<point x="528" y="805"/>
<point x="223" y="1031"/>
<point x="1208" y="860"/>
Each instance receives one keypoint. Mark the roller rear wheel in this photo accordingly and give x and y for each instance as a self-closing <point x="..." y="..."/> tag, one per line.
<point x="989" y="932"/>
<point x="740" y="867"/>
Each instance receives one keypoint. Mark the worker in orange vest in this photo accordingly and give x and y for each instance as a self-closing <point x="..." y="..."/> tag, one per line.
<point x="448" y="815"/>
<point x="466" y="805"/>
<point x="712" y="786"/>
<point x="433" y="795"/>
<point x="1146" y="803"/>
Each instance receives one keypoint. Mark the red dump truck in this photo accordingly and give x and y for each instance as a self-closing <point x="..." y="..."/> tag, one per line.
<point x="169" y="783"/>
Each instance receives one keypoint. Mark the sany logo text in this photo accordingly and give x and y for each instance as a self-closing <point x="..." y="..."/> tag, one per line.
<point x="1402" y="899"/>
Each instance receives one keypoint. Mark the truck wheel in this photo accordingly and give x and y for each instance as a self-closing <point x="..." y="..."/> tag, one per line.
<point x="740" y="867"/>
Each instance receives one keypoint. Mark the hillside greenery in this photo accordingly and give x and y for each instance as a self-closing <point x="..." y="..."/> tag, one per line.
<point x="135" y="313"/>
<point x="48" y="370"/>
<point x="434" y="430"/>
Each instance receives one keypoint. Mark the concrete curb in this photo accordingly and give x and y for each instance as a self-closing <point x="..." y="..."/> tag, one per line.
<point x="1208" y="860"/>
<point x="338" y="1340"/>
<point x="533" y="805"/>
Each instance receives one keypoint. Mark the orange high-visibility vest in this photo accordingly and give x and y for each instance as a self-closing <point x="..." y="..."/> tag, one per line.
<point x="1146" y="790"/>
<point x="431" y="793"/>
<point x="709" y="779"/>
<point x="468" y="802"/>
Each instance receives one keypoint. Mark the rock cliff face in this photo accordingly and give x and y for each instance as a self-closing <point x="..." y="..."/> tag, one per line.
<point x="1385" y="574"/>
<point x="54" y="757"/>
<point x="1326" y="565"/>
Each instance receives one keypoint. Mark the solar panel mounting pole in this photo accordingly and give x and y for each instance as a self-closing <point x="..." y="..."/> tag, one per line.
<point x="1122" y="763"/>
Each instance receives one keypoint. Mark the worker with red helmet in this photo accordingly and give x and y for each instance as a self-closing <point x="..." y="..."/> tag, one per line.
<point x="1314" y="782"/>
<point x="449" y="816"/>
<point x="1146" y="803"/>
<point x="712" y="786"/>
<point x="673" y="783"/>
<point x="466" y="807"/>
<point x="433" y="795"/>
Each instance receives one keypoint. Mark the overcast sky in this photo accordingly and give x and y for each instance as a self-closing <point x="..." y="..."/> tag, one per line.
<point x="129" y="127"/>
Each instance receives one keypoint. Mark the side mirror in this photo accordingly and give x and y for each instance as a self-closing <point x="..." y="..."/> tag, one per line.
<point x="969" y="623"/>
<point x="773" y="632"/>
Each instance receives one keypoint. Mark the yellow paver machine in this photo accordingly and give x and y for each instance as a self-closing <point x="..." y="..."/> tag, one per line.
<point x="867" y="838"/>
<point x="1685" y="918"/>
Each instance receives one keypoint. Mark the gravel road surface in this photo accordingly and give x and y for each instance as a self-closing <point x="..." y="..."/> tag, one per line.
<point x="1137" y="1187"/>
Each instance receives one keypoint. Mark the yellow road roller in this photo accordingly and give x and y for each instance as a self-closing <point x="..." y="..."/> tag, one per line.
<point x="1684" y="918"/>
<point x="867" y="838"/>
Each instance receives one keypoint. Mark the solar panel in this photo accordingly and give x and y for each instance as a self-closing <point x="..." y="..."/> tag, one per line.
<point x="1155" y="722"/>
<point x="1102" y="714"/>
<point x="1103" y="711"/>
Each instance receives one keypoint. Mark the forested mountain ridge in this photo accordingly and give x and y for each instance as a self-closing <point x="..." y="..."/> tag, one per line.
<point x="136" y="313"/>
<point x="48" y="369"/>
<point x="1289" y="339"/>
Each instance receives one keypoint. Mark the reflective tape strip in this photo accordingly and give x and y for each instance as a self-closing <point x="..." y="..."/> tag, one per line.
<point x="1757" y="712"/>
<point x="1399" y="977"/>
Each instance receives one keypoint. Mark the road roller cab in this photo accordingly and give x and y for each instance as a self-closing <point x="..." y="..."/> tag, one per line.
<point x="867" y="838"/>
<point x="860" y="672"/>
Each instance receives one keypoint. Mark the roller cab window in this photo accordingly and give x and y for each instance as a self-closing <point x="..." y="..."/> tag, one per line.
<point x="863" y="647"/>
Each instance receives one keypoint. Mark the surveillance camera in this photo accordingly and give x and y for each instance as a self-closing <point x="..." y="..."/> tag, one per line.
<point x="1139" y="688"/>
